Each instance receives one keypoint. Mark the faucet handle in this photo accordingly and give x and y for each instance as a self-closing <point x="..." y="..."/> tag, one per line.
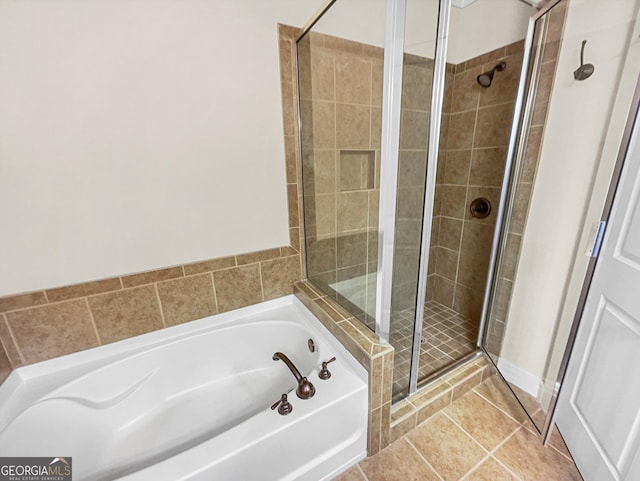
<point x="324" y="372"/>
<point x="285" y="406"/>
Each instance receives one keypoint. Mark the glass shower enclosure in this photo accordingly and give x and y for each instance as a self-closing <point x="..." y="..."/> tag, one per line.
<point x="421" y="134"/>
<point x="392" y="159"/>
<point x="364" y="193"/>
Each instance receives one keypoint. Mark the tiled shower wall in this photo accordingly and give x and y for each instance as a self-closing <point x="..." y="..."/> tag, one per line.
<point x="417" y="77"/>
<point x="476" y="124"/>
<point x="341" y="108"/>
<point x="376" y="357"/>
<point x="341" y="95"/>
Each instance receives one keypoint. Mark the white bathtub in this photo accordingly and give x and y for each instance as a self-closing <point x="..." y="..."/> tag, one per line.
<point x="193" y="402"/>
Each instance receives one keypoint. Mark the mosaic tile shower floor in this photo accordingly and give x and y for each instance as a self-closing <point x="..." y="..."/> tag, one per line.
<point x="447" y="336"/>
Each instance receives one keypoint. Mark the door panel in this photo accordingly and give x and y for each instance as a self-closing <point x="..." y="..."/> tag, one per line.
<point x="607" y="369"/>
<point x="599" y="406"/>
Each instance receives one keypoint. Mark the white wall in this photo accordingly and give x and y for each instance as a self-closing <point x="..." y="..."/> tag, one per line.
<point x="475" y="29"/>
<point x="575" y="147"/>
<point x="138" y="134"/>
<point x="146" y="133"/>
<point x="486" y="25"/>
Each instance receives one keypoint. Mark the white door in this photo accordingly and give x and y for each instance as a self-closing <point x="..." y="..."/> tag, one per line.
<point x="599" y="406"/>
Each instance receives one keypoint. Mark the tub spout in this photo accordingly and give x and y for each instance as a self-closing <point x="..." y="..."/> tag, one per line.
<point x="305" y="389"/>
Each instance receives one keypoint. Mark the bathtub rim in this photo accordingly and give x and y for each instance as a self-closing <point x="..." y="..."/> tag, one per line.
<point x="26" y="384"/>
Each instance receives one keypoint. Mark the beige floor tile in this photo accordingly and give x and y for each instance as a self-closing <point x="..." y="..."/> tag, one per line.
<point x="530" y="461"/>
<point x="450" y="451"/>
<point x="445" y="442"/>
<point x="527" y="400"/>
<point x="557" y="442"/>
<point x="491" y="470"/>
<point x="483" y="421"/>
<point x="494" y="390"/>
<point x="398" y="462"/>
<point x="351" y="474"/>
<point x="533" y="407"/>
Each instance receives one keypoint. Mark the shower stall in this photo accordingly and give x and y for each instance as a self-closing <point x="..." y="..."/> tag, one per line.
<point x="420" y="136"/>
<point x="342" y="105"/>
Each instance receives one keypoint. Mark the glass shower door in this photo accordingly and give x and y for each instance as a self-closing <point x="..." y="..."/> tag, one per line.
<point x="415" y="121"/>
<point x="563" y="152"/>
<point x="340" y="90"/>
<point x="536" y="87"/>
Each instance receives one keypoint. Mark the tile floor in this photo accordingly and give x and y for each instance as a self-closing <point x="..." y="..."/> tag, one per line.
<point x="482" y="436"/>
<point x="447" y="336"/>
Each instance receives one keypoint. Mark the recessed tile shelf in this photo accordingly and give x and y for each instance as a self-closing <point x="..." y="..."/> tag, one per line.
<point x="356" y="170"/>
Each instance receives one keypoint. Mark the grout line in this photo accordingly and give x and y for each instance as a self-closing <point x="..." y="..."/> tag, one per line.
<point x="423" y="458"/>
<point x="474" y="468"/>
<point x="261" y="283"/>
<point x="164" y="322"/>
<point x="362" y="472"/>
<point x="504" y="441"/>
<point x="506" y="468"/>
<point x="93" y="321"/>
<point x="443" y="411"/>
<point x="498" y="407"/>
<point x="13" y="338"/>
<point x="558" y="450"/>
<point x="494" y="450"/>
<point x="215" y="296"/>
<point x="489" y="452"/>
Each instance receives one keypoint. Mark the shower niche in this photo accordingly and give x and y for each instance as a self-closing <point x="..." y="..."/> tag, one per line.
<point x="356" y="170"/>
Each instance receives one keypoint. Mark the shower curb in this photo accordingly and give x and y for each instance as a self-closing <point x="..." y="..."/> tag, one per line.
<point x="407" y="414"/>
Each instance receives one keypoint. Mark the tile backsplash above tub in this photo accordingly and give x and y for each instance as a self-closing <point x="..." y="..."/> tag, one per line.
<point x="44" y="324"/>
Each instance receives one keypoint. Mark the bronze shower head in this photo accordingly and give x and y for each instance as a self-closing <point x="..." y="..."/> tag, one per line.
<point x="485" y="79"/>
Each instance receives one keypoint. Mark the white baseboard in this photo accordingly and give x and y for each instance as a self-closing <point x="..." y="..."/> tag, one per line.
<point x="521" y="378"/>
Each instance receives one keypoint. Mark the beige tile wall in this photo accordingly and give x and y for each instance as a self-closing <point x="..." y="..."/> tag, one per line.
<point x="52" y="322"/>
<point x="476" y="125"/>
<point x="341" y="84"/>
<point x="341" y="108"/>
<point x="412" y="163"/>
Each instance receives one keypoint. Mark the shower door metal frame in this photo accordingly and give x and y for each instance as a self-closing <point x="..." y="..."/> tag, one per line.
<point x="515" y="153"/>
<point x="435" y="121"/>
<point x="389" y="153"/>
<point x="523" y="110"/>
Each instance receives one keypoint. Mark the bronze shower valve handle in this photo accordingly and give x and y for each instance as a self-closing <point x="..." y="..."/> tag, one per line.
<point x="324" y="372"/>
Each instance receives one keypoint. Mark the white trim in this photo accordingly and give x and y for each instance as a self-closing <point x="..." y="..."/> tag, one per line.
<point x="514" y="374"/>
